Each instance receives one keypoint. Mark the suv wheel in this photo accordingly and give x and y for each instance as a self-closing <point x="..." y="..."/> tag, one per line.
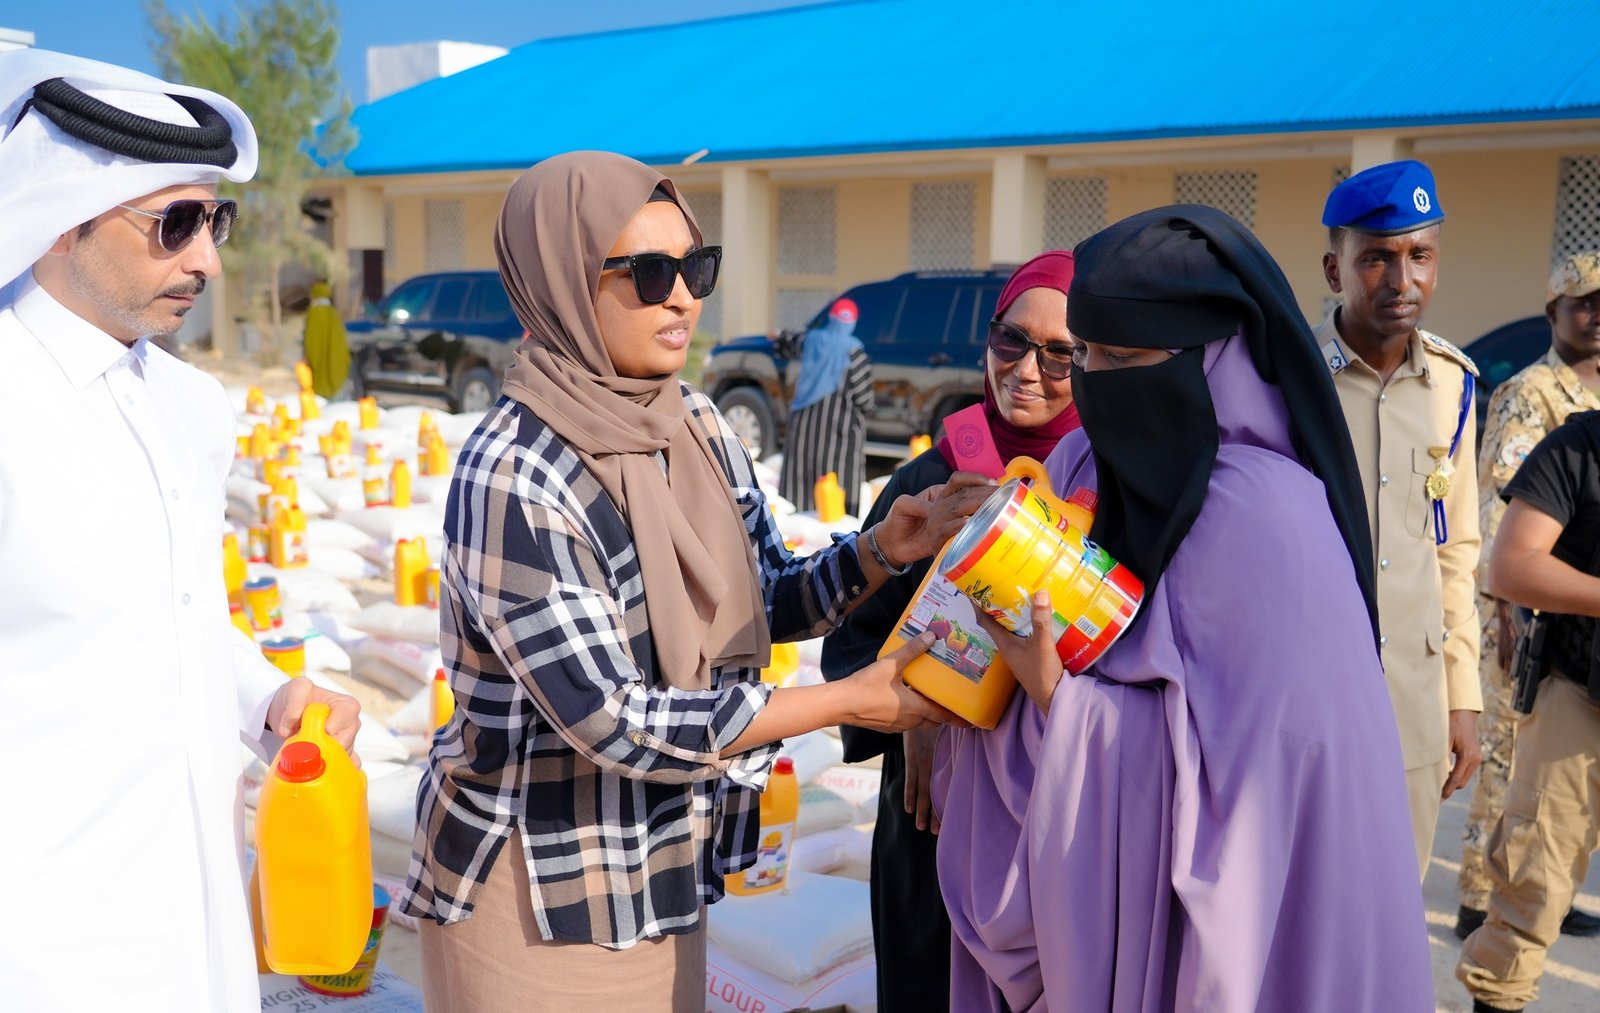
<point x="750" y="417"/>
<point x="475" y="390"/>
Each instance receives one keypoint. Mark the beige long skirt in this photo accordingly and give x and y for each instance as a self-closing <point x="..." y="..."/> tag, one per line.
<point x="495" y="961"/>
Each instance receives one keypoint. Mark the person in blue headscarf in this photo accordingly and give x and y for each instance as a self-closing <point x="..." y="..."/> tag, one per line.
<point x="828" y="415"/>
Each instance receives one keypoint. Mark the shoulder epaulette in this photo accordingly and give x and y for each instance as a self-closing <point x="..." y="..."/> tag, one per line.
<point x="1449" y="351"/>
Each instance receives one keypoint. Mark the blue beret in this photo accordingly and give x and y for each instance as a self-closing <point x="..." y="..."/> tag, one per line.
<point x="1385" y="200"/>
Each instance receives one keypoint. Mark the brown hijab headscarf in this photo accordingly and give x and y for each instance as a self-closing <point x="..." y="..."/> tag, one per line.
<point x="702" y="594"/>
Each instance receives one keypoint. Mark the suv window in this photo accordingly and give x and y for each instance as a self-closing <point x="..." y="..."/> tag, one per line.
<point x="489" y="301"/>
<point x="879" y="306"/>
<point x="926" y="316"/>
<point x="988" y="299"/>
<point x="408" y="301"/>
<point x="452" y="297"/>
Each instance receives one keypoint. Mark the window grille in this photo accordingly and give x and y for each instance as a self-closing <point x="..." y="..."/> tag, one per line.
<point x="943" y="225"/>
<point x="445" y="235"/>
<point x="807" y="230"/>
<point x="1577" y="226"/>
<point x="391" y="258"/>
<point x="706" y="202"/>
<point x="796" y="306"/>
<point x="1231" y="192"/>
<point x="1074" y="210"/>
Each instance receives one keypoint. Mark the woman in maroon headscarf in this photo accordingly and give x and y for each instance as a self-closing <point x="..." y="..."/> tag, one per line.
<point x="1027" y="409"/>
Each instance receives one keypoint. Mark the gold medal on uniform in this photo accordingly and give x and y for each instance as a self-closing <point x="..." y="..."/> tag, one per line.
<point x="1438" y="481"/>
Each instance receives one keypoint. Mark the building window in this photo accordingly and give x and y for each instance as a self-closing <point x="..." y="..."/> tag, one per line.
<point x="445" y="235"/>
<point x="1577" y="227"/>
<point x="943" y="225"/>
<point x="1230" y="192"/>
<point x="391" y="258"/>
<point x="796" y="306"/>
<point x="1074" y="210"/>
<point x="807" y="228"/>
<point x="706" y="203"/>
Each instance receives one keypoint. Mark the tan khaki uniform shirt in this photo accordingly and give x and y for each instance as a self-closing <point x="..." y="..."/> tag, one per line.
<point x="1522" y="412"/>
<point x="1427" y="602"/>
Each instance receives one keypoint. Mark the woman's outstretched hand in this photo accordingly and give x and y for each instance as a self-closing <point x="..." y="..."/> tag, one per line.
<point x="918" y="526"/>
<point x="1033" y="658"/>
<point x="881" y="700"/>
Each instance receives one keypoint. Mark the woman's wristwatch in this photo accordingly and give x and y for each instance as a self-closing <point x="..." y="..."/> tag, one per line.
<point x="882" y="560"/>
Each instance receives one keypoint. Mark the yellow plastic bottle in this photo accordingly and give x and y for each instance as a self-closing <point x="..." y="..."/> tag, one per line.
<point x="785" y="662"/>
<point x="302" y="375"/>
<point x="961" y="671"/>
<point x="425" y="429"/>
<point x="260" y="437"/>
<point x="780" y="809"/>
<point x="442" y="704"/>
<point x="400" y="484"/>
<point x="435" y="457"/>
<point x="410" y="566"/>
<point x="920" y="444"/>
<point x="369" y="412"/>
<point x="286" y="539"/>
<point x="234" y="571"/>
<point x="314" y="852"/>
<point x="255" y="402"/>
<point x="829" y="495"/>
<point x="375" y="481"/>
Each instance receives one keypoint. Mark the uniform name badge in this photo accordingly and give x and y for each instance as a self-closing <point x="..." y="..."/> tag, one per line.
<point x="1437" y="485"/>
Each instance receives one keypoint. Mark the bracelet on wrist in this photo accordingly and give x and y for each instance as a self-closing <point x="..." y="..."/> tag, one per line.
<point x="880" y="558"/>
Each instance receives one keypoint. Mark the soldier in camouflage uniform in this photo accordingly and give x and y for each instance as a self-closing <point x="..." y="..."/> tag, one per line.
<point x="1522" y="411"/>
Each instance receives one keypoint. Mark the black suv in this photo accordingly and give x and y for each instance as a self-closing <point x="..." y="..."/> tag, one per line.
<point x="925" y="333"/>
<point x="438" y="335"/>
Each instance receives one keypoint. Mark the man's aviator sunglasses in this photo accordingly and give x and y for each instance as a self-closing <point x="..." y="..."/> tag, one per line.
<point x="656" y="274"/>
<point x="1009" y="344"/>
<point x="182" y="220"/>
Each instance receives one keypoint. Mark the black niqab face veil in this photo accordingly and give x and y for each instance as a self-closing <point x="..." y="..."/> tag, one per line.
<point x="1181" y="277"/>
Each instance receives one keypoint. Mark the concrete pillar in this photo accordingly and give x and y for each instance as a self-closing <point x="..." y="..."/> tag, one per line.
<point x="1016" y="208"/>
<point x="1368" y="149"/>
<point x="747" y="261"/>
<point x="224" y="326"/>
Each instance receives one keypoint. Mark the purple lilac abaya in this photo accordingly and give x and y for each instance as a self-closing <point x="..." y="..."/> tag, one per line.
<point x="1213" y="817"/>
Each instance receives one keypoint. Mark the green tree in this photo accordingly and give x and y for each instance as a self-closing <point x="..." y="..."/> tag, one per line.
<point x="275" y="58"/>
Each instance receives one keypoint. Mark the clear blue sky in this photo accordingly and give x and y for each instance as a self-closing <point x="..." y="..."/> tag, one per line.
<point x="116" y="31"/>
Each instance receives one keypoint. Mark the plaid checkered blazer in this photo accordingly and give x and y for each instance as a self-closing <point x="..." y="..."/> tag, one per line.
<point x="564" y="740"/>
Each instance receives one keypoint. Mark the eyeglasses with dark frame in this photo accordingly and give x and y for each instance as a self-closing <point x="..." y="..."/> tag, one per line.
<point x="1010" y="343"/>
<point x="182" y="220"/>
<point x="656" y="274"/>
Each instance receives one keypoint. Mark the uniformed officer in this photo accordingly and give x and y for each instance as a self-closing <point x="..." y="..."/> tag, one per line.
<point x="1407" y="397"/>
<point x="1523" y="410"/>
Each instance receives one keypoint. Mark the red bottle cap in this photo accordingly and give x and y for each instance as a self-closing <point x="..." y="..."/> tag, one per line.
<point x="438" y="676"/>
<point x="1085" y="498"/>
<point x="783" y="766"/>
<point x="300" y="762"/>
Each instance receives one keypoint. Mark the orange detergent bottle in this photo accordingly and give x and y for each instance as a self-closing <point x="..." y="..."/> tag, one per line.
<point x="442" y="702"/>
<point x="780" y="810"/>
<point x="963" y="670"/>
<point x="829" y="495"/>
<point x="314" y="853"/>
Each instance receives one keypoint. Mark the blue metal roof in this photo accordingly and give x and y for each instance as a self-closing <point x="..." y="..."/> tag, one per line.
<point x="888" y="75"/>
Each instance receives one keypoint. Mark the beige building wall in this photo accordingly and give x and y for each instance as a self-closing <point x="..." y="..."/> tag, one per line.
<point x="1496" y="244"/>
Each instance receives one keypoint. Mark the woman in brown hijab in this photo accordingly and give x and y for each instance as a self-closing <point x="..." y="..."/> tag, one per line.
<point x="613" y="581"/>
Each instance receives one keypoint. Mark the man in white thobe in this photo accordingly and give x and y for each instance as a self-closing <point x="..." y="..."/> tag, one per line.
<point x="125" y="688"/>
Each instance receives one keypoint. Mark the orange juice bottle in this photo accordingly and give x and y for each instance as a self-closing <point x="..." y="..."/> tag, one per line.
<point x="829" y="495"/>
<point x="963" y="670"/>
<point x="234" y="571"/>
<point x="780" y="810"/>
<point x="314" y="853"/>
<point x="400" y="484"/>
<point x="442" y="704"/>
